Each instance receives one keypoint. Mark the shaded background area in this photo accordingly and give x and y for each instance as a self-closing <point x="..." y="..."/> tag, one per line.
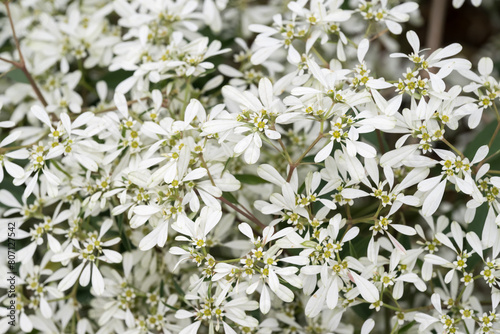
<point x="477" y="29"/>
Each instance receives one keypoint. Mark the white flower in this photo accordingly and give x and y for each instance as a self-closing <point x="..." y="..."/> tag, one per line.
<point x="89" y="252"/>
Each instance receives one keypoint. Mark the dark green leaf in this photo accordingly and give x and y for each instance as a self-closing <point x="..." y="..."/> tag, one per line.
<point x="352" y="250"/>
<point x="230" y="197"/>
<point x="407" y="327"/>
<point x="249" y="179"/>
<point x="18" y="76"/>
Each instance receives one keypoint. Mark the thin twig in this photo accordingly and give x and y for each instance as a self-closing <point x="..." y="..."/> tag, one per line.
<point x="299" y="160"/>
<point x="14" y="63"/>
<point x="22" y="64"/>
<point x="494" y="135"/>
<point x="457" y="151"/>
<point x="379" y="34"/>
<point x="243" y="213"/>
<point x="34" y="85"/>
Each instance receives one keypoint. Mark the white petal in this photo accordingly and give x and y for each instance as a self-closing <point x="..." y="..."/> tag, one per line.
<point x="394" y="157"/>
<point x="41" y="114"/>
<point x="25" y="323"/>
<point x="266" y="91"/>
<point x="367" y="290"/>
<point x="146" y="210"/>
<point x="332" y="295"/>
<point x="436" y="302"/>
<point x="436" y="260"/>
<point x="433" y="200"/>
<point x="243" y="144"/>
<point x="362" y="49"/>
<point x="30" y="186"/>
<point x="97" y="280"/>
<point x="368" y="326"/>
<point x="121" y="104"/>
<point x="112" y="256"/>
<point x="475" y="243"/>
<point x="324" y="153"/>
<point x="316" y="303"/>
<point x="485" y="66"/>
<point x="85" y="276"/>
<point x="45" y="308"/>
<point x="406" y="230"/>
<point x="70" y="279"/>
<point x="265" y="300"/>
<point x="246" y="230"/>
<point x="481" y="153"/>
<point x="413" y="40"/>
<point x="195" y="174"/>
<point x="10" y="138"/>
<point x="269" y="173"/>
<point x="191" y="329"/>
<point x="192" y="110"/>
<point x="394" y="27"/>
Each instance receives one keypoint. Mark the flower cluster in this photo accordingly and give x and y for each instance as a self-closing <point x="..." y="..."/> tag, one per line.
<point x="230" y="167"/>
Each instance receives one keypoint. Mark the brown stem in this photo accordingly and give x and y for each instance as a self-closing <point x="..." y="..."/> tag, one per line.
<point x="494" y="135"/>
<point x="16" y="40"/>
<point x="379" y="34"/>
<point x="22" y="64"/>
<point x="290" y="172"/>
<point x="34" y="85"/>
<point x="457" y="151"/>
<point x="298" y="161"/>
<point x="284" y="150"/>
<point x="309" y="148"/>
<point x="204" y="164"/>
<point x="14" y="63"/>
<point x="243" y="213"/>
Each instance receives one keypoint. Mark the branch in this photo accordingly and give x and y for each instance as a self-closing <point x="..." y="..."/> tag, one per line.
<point x="299" y="160"/>
<point x="379" y="34"/>
<point x="249" y="216"/>
<point x="14" y="63"/>
<point x="22" y="64"/>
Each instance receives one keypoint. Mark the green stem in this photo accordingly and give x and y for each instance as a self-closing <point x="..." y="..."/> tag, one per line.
<point x="457" y="151"/>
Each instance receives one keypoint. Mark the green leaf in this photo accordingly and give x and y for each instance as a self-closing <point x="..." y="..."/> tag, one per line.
<point x="230" y="197"/>
<point x="114" y="78"/>
<point x="123" y="235"/>
<point x="178" y="288"/>
<point x="407" y="327"/>
<point x="308" y="159"/>
<point x="363" y="311"/>
<point x="352" y="250"/>
<point x="249" y="179"/>
<point x="162" y="289"/>
<point x="18" y="76"/>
